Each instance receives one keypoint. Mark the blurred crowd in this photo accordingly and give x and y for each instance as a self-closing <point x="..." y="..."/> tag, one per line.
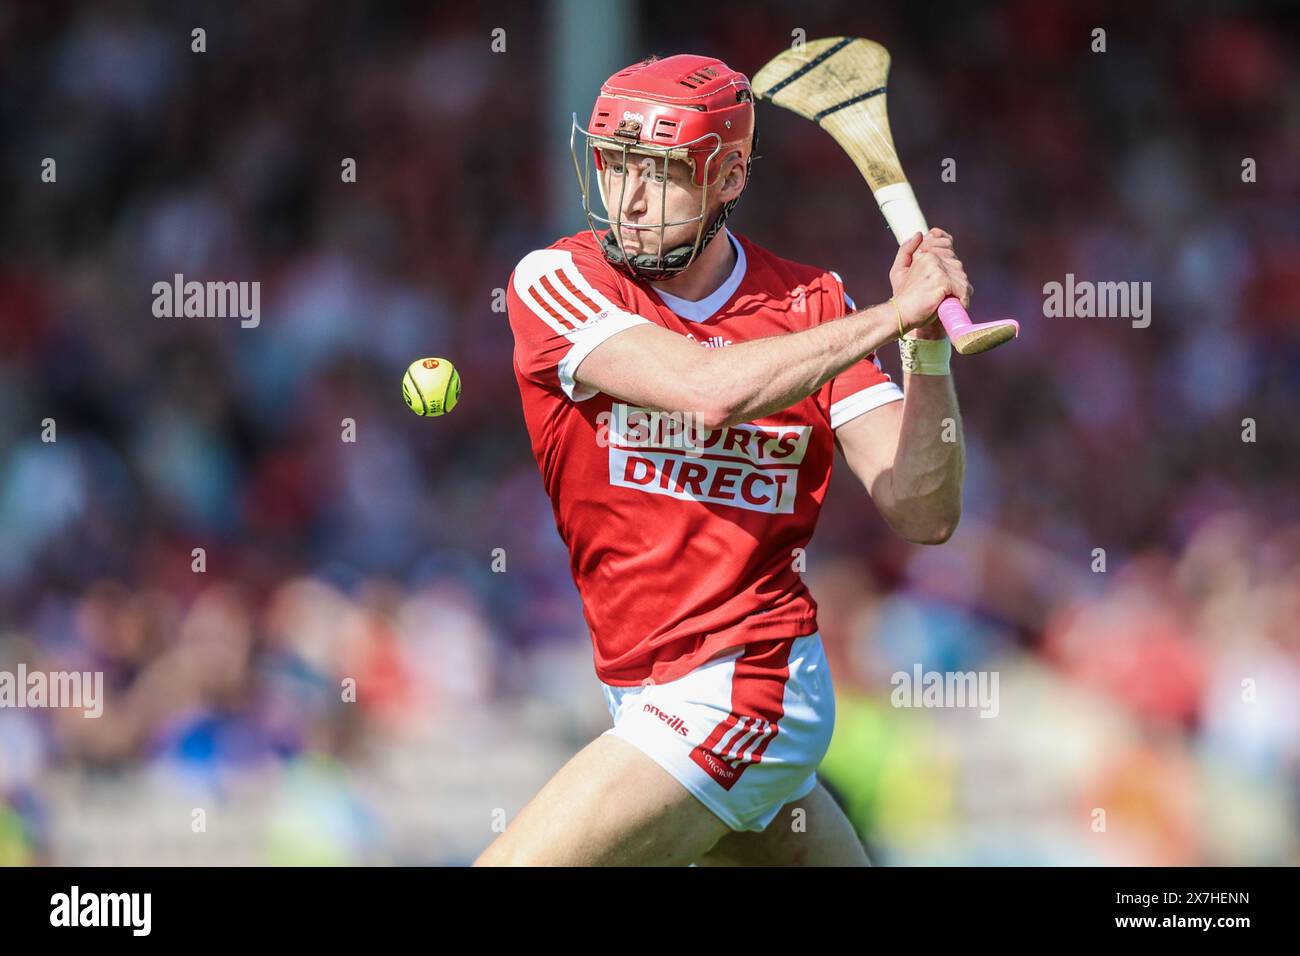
<point x="1128" y="562"/>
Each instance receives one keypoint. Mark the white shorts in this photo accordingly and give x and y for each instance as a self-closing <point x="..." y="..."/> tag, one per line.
<point x="744" y="732"/>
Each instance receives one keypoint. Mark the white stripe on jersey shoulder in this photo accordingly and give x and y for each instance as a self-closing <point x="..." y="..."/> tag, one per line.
<point x="861" y="402"/>
<point x="849" y="304"/>
<point x="550" y="283"/>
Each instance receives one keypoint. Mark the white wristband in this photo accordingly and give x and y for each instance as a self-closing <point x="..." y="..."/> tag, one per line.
<point x="925" y="356"/>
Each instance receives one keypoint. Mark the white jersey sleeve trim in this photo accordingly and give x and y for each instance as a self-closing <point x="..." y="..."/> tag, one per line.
<point x="551" y="285"/>
<point x="859" y="403"/>
<point x="583" y="344"/>
<point x="849" y="305"/>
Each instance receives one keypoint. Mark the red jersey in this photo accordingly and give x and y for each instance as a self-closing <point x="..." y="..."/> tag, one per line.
<point x="679" y="549"/>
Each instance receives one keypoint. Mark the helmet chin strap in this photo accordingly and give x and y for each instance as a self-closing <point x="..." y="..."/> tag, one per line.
<point x="646" y="265"/>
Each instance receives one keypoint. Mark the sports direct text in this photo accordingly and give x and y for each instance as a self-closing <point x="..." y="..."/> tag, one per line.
<point x="755" y="467"/>
<point x="642" y="428"/>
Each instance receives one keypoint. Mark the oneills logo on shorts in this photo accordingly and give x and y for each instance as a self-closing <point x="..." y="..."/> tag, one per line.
<point x="672" y="720"/>
<point x="755" y="467"/>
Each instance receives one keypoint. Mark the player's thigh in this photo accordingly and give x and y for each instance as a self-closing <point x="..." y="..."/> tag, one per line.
<point x="610" y="805"/>
<point x="819" y="836"/>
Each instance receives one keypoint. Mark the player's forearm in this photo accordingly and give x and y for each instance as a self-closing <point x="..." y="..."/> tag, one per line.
<point x="923" y="497"/>
<point x="756" y="378"/>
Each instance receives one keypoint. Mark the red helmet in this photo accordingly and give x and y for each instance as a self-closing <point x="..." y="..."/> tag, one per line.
<point x="694" y="108"/>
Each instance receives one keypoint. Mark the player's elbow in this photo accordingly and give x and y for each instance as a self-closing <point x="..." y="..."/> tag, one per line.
<point x="936" y="531"/>
<point x="918" y="524"/>
<point x="721" y="413"/>
<point x="714" y="415"/>
<point x="707" y="408"/>
<point x="714" y="402"/>
<point x="938" y="535"/>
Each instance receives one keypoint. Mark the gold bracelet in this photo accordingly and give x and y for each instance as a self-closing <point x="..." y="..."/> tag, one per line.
<point x="900" y="316"/>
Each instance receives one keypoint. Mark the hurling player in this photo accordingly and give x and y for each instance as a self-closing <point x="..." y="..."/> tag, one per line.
<point x="685" y="390"/>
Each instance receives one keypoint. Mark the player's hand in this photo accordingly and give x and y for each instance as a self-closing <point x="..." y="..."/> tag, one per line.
<point x="925" y="272"/>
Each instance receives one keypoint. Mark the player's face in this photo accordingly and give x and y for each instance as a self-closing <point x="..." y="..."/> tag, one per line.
<point x="648" y="197"/>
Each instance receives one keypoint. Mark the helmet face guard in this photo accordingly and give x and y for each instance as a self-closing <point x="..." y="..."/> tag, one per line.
<point x="666" y="262"/>
<point x="688" y="107"/>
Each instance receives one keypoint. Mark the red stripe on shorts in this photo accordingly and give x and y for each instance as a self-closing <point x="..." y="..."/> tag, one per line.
<point x="757" y="690"/>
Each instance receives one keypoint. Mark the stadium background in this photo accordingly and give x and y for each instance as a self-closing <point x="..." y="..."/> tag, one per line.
<point x="326" y="560"/>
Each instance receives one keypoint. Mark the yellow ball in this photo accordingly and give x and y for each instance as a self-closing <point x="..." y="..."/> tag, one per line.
<point x="431" y="386"/>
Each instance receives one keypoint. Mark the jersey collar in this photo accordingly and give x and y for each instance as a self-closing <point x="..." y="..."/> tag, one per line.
<point x="707" y="307"/>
